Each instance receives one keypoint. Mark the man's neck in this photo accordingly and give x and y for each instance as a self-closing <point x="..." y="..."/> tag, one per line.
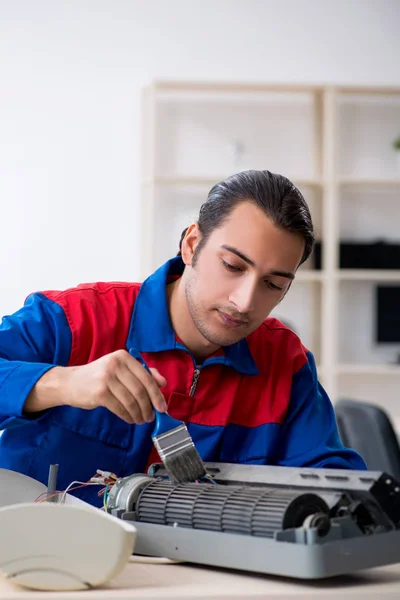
<point x="182" y="322"/>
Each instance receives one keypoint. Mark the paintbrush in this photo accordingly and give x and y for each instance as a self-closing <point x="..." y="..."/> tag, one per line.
<point x="174" y="444"/>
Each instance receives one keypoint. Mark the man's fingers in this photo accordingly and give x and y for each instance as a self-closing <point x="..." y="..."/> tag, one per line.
<point x="114" y="405"/>
<point x="137" y="392"/>
<point x="148" y="381"/>
<point x="127" y="402"/>
<point x="160" y="380"/>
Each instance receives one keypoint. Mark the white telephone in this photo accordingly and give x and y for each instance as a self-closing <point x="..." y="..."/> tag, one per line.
<point x="52" y="546"/>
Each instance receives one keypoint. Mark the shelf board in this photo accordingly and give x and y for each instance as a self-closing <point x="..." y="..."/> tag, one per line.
<point x="230" y="86"/>
<point x="354" y="369"/>
<point x="368" y="90"/>
<point x="210" y="181"/>
<point x="171" y="181"/>
<point x="350" y="275"/>
<point x="361" y="182"/>
<point x="368" y="275"/>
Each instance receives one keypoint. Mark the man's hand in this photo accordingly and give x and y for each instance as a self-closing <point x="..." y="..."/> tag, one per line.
<point x="116" y="381"/>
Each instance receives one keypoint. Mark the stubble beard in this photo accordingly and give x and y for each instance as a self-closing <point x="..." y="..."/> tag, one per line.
<point x="199" y="318"/>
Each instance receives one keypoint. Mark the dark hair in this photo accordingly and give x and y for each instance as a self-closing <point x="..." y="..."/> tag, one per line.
<point x="278" y="197"/>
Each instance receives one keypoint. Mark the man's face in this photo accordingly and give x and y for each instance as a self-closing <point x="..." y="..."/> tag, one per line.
<point x="240" y="274"/>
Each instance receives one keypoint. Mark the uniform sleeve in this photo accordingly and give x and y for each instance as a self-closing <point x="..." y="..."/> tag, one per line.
<point x="32" y="341"/>
<point x="309" y="435"/>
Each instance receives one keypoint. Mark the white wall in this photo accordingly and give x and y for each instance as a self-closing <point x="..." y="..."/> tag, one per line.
<point x="71" y="72"/>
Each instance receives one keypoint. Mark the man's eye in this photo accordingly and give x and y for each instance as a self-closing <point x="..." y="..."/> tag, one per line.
<point x="272" y="286"/>
<point x="230" y="267"/>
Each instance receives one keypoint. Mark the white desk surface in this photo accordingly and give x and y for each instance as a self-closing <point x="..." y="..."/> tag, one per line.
<point x="175" y="581"/>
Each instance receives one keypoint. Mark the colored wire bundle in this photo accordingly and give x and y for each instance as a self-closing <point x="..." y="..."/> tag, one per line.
<point x="109" y="480"/>
<point x="206" y="479"/>
<point x="103" y="478"/>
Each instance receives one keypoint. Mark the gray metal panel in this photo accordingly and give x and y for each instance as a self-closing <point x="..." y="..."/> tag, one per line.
<point x="328" y="479"/>
<point x="262" y="555"/>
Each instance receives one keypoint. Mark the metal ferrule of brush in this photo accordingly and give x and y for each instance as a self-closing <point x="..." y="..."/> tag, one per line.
<point x="173" y="441"/>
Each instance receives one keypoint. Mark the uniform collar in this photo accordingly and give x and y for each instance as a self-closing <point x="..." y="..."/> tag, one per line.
<point x="151" y="329"/>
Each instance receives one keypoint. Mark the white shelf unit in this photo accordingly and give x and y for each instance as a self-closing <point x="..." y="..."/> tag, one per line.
<point x="334" y="143"/>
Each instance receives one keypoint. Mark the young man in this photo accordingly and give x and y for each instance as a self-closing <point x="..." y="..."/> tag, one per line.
<point x="71" y="392"/>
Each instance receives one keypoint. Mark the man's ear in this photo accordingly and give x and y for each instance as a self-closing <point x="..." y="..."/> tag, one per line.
<point x="189" y="243"/>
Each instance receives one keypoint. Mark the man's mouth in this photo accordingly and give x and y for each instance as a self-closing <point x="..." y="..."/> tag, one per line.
<point x="231" y="321"/>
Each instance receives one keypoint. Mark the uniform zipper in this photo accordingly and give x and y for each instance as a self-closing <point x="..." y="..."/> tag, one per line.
<point x="195" y="380"/>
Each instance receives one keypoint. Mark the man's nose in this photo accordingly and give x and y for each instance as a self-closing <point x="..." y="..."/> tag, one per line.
<point x="243" y="295"/>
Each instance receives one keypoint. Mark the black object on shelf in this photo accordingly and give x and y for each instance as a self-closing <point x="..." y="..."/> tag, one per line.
<point x="387" y="319"/>
<point x="363" y="255"/>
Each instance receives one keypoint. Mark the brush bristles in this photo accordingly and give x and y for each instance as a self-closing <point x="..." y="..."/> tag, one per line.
<point x="179" y="455"/>
<point x="184" y="466"/>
